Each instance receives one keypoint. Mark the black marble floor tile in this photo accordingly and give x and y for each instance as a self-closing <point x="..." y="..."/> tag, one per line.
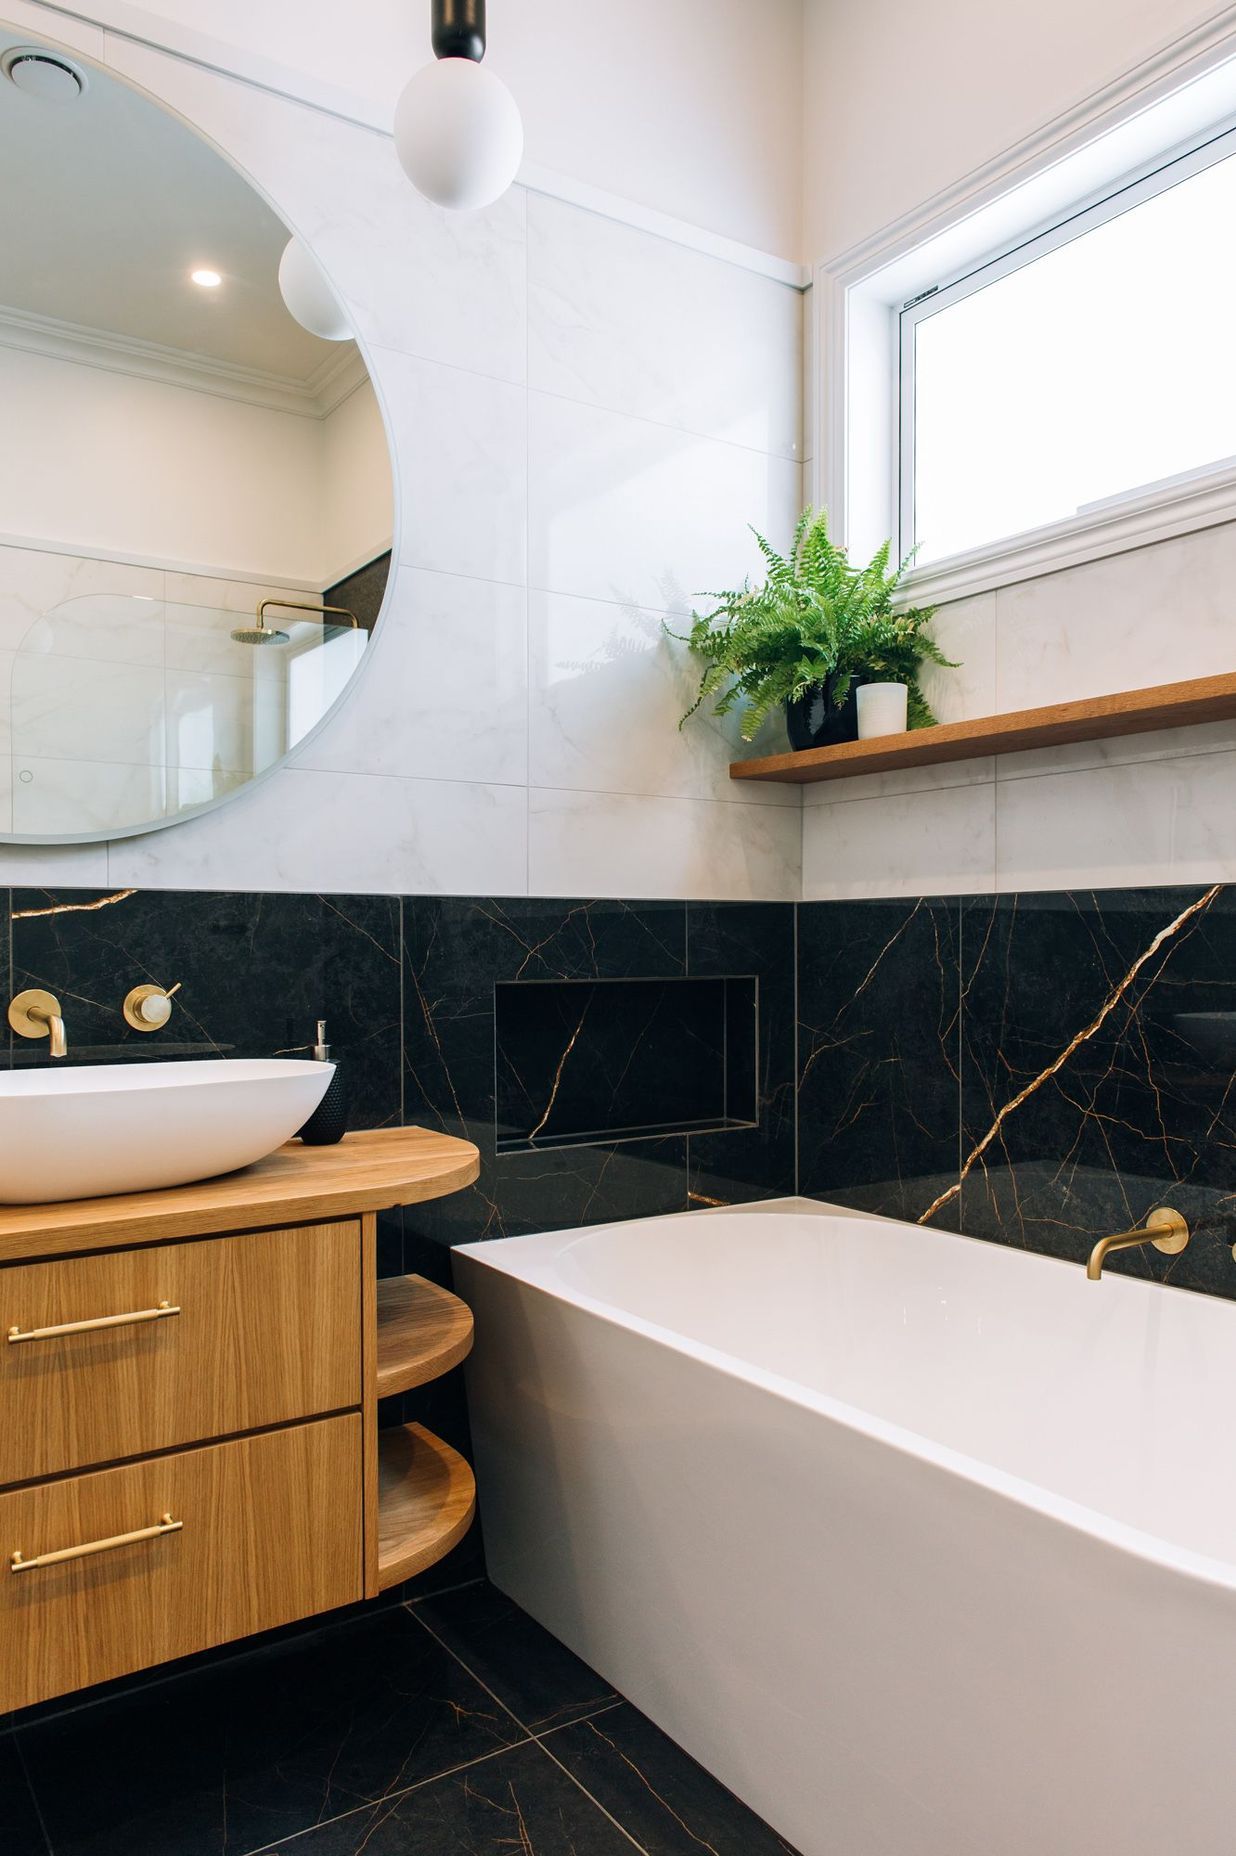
<point x="660" y="1796"/>
<point x="537" y="1677"/>
<point x="20" y="1832"/>
<point x="878" y="1052"/>
<point x="264" y="1747"/>
<point x="519" y="1804"/>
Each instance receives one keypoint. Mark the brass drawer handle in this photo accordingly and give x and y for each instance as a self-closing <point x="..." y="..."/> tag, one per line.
<point x="89" y="1327"/>
<point x="165" y="1526"/>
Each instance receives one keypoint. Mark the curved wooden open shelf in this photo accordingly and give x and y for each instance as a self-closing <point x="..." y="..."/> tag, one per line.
<point x="426" y="1501"/>
<point x="422" y="1332"/>
<point x="1098" y="718"/>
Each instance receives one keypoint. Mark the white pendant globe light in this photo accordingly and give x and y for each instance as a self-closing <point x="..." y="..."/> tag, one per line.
<point x="309" y="297"/>
<point x="458" y="132"/>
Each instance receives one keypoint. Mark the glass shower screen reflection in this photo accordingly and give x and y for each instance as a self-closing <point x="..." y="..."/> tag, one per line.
<point x="1076" y="372"/>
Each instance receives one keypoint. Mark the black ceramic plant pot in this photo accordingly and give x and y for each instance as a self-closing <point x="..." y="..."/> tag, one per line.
<point x="813" y="721"/>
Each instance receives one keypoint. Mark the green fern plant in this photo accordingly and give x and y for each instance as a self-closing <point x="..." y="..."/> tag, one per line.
<point x="813" y="619"/>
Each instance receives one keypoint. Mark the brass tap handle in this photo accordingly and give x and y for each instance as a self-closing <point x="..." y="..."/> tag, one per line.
<point x="148" y="1008"/>
<point x="1165" y="1229"/>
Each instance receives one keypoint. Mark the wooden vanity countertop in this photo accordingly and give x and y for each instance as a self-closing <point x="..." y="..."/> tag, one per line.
<point x="369" y="1171"/>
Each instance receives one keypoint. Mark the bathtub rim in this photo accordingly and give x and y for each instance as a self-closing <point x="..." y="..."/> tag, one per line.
<point x="487" y="1253"/>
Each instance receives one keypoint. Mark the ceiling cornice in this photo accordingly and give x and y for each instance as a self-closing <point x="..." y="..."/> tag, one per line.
<point x="313" y="398"/>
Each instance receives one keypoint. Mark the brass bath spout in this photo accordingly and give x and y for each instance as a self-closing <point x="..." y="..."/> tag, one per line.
<point x="1164" y="1228"/>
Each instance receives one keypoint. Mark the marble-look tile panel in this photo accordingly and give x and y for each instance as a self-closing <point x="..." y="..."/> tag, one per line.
<point x="668" y="1803"/>
<point x="446" y="286"/>
<point x="756" y="938"/>
<point x="879" y="1052"/>
<point x="520" y="1803"/>
<point x="582" y="1061"/>
<point x="357" y="832"/>
<point x="641" y="515"/>
<point x="53" y="863"/>
<point x="966" y="632"/>
<point x="445" y="691"/>
<point x="36" y="581"/>
<point x="592" y="663"/>
<point x="51" y="797"/>
<point x="256" y="972"/>
<point x="1081" y="756"/>
<point x="461" y="441"/>
<point x="228" y="1759"/>
<point x="1170" y="819"/>
<point x="623" y="319"/>
<point x="20" y="1831"/>
<point x="620" y="844"/>
<point x="938" y="840"/>
<point x="1099" y="1039"/>
<point x="78" y="708"/>
<point x="1152" y="615"/>
<point x="455" y="952"/>
<point x="531" y="1673"/>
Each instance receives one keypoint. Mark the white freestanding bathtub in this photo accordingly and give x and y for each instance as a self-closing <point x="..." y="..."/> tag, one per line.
<point x="924" y="1546"/>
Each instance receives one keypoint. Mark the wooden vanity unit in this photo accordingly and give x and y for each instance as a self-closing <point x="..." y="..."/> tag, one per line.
<point x="189" y="1448"/>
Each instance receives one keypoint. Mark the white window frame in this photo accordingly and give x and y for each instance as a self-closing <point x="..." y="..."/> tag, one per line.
<point x="1126" y="143"/>
<point x="1215" y="147"/>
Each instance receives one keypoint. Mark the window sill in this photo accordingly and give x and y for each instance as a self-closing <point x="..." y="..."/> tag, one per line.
<point x="1138" y="523"/>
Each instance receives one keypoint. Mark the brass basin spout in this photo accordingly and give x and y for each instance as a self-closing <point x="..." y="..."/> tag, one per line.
<point x="1164" y="1228"/>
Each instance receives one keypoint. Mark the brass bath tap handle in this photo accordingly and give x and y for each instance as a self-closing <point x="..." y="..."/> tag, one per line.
<point x="1164" y="1228"/>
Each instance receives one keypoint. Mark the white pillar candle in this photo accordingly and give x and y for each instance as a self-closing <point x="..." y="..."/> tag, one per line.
<point x="881" y="709"/>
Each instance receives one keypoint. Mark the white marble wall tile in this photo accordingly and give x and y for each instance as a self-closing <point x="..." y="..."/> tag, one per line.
<point x="1161" y="821"/>
<point x="54" y="866"/>
<point x="446" y="286"/>
<point x="640" y="515"/>
<point x="444" y="691"/>
<point x="615" y="844"/>
<point x="966" y="632"/>
<point x="461" y="448"/>
<point x="1076" y="757"/>
<point x="1155" y="615"/>
<point x="609" y="687"/>
<point x="54" y="797"/>
<point x="305" y="829"/>
<point x="214" y="721"/>
<point x="35" y="582"/>
<point x="895" y="785"/>
<point x="73" y="708"/>
<point x="936" y="843"/>
<point x="622" y="319"/>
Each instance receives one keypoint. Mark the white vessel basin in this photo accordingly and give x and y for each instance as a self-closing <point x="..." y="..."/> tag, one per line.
<point x="129" y="1127"/>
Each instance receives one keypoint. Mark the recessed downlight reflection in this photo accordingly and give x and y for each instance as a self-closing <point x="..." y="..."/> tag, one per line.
<point x="206" y="279"/>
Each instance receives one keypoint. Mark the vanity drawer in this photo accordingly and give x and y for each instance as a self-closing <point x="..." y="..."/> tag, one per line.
<point x="257" y="1329"/>
<point x="268" y="1531"/>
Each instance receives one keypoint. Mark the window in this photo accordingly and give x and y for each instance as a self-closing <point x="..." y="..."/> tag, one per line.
<point x="1094" y="364"/>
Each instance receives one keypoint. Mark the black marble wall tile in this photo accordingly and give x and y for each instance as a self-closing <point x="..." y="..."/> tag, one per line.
<point x="751" y="938"/>
<point x="879" y="1052"/>
<point x="578" y="1061"/>
<point x="1099" y="1052"/>
<point x="256" y="972"/>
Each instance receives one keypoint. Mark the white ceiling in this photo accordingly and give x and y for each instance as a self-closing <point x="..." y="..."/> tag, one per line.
<point x="108" y="203"/>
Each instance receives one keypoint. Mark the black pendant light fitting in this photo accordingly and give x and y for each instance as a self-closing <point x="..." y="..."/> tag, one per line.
<point x="459" y="29"/>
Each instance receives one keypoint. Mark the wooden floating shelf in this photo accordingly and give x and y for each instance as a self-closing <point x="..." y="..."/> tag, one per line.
<point x="1098" y="718"/>
<point x="426" y="1501"/>
<point x="422" y="1332"/>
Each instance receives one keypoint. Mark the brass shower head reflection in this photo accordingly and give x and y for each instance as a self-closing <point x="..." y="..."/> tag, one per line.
<point x="262" y="633"/>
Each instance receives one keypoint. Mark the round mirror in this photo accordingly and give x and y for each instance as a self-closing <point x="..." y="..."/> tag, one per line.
<point x="195" y="490"/>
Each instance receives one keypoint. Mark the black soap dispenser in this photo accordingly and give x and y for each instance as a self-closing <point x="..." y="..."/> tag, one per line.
<point x="329" y="1120"/>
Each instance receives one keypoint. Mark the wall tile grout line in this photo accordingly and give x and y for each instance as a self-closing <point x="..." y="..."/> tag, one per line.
<point x="538" y="1739"/>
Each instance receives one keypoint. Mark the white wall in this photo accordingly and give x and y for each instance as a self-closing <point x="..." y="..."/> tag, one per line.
<point x="691" y="108"/>
<point x="144" y="471"/>
<point x="585" y="418"/>
<point x="904" y="100"/>
<point x="907" y="102"/>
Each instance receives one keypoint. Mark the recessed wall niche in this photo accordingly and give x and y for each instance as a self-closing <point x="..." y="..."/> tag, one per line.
<point x="582" y="1061"/>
